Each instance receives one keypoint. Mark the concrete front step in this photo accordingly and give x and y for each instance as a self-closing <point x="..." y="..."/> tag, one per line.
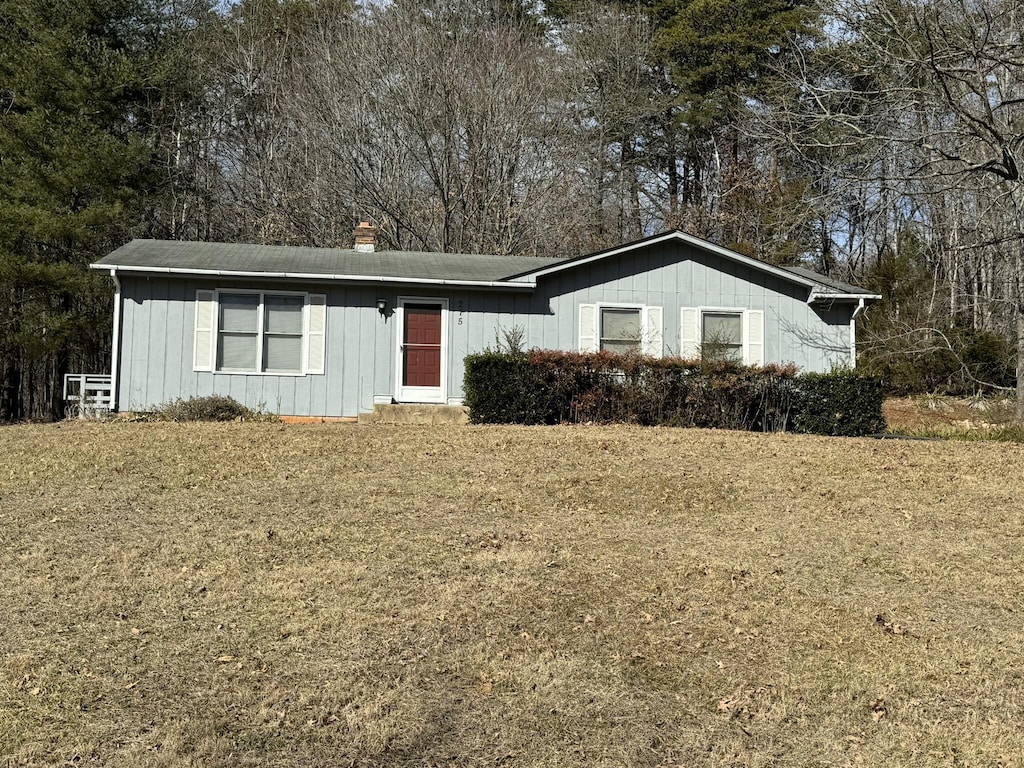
<point x="405" y="413"/>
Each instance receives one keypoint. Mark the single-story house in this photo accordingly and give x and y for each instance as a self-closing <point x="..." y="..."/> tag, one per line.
<point x="326" y="332"/>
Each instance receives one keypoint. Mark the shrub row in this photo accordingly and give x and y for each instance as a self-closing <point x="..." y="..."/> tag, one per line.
<point x="548" y="387"/>
<point x="839" y="403"/>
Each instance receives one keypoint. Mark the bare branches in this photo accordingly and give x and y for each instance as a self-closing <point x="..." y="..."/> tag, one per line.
<point x="914" y="113"/>
<point x="905" y="341"/>
<point x="445" y="118"/>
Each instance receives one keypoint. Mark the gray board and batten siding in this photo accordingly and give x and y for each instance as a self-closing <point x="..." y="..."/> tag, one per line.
<point x="159" y="284"/>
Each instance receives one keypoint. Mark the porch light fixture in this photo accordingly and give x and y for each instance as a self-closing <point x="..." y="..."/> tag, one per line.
<point x="382" y="306"/>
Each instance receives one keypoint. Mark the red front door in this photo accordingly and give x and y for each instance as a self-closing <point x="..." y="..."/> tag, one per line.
<point x="421" y="366"/>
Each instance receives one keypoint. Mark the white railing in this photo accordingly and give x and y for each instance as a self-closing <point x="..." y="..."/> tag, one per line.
<point x="88" y="395"/>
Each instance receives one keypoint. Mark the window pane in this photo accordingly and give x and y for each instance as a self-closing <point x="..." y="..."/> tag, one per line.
<point x="723" y="328"/>
<point x="620" y="324"/>
<point x="236" y="352"/>
<point x="238" y="312"/>
<point x="282" y="354"/>
<point x="722" y="336"/>
<point x="284" y="314"/>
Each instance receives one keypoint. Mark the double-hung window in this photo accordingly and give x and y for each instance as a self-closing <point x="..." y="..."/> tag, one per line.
<point x="722" y="336"/>
<point x="282" y="334"/>
<point x="259" y="332"/>
<point x="726" y="334"/>
<point x="621" y="328"/>
<point x="238" y="334"/>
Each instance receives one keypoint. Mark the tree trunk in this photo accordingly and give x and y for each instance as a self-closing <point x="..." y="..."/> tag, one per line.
<point x="1019" y="411"/>
<point x="630" y="227"/>
<point x="10" y="386"/>
<point x="671" y="168"/>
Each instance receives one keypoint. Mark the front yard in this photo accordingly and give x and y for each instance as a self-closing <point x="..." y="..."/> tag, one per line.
<point x="256" y="594"/>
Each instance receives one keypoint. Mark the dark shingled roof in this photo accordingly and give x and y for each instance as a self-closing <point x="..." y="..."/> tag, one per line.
<point x="341" y="263"/>
<point x="829" y="283"/>
<point x="299" y="260"/>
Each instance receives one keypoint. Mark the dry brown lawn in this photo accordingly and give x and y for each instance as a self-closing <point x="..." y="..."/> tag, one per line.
<point x="337" y="595"/>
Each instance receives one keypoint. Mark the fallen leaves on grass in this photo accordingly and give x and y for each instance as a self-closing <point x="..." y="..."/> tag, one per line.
<point x="891" y="627"/>
<point x="879" y="709"/>
<point x="439" y="596"/>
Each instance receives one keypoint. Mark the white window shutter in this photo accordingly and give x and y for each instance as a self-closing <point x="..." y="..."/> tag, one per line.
<point x="205" y="330"/>
<point x="316" y="333"/>
<point x="689" y="332"/>
<point x="588" y="328"/>
<point x="754" y="326"/>
<point x="654" y="336"/>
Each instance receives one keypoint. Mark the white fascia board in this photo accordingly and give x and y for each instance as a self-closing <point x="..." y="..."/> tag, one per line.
<point x="316" y="277"/>
<point x="824" y="296"/>
<point x="703" y="245"/>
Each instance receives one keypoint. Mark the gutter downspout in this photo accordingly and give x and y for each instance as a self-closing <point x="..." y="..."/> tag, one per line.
<point x="115" y="346"/>
<point x="853" y="333"/>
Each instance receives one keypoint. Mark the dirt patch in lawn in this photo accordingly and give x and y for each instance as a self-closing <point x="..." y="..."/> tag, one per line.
<point x="324" y="595"/>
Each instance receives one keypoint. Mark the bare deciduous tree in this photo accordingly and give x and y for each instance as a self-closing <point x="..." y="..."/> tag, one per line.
<point x="918" y="109"/>
<point x="446" y="117"/>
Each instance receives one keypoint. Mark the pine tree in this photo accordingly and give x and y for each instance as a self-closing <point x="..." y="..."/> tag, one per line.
<point x="79" y="87"/>
<point x="719" y="54"/>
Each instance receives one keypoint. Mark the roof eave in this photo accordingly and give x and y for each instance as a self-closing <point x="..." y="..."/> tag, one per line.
<point x="826" y="296"/>
<point x="316" y="277"/>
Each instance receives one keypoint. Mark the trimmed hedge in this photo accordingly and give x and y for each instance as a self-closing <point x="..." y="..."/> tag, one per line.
<point x="550" y="387"/>
<point x="502" y="388"/>
<point x="839" y="403"/>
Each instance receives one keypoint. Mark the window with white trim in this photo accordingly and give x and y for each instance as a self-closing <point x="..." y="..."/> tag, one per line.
<point x="265" y="332"/>
<point x="621" y="328"/>
<point x="722" y="336"/>
<point x="715" y="333"/>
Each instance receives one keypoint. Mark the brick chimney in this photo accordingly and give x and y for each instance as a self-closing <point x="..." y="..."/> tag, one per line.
<point x="366" y="237"/>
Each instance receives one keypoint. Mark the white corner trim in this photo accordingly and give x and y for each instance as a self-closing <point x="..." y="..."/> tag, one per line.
<point x="115" y="347"/>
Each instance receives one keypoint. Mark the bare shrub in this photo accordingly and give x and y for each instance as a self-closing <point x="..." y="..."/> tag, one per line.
<point x="209" y="408"/>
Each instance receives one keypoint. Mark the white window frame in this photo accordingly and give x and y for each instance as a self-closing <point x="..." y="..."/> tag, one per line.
<point x="641" y="308"/>
<point x="260" y="336"/>
<point x="743" y="312"/>
<point x="652" y="326"/>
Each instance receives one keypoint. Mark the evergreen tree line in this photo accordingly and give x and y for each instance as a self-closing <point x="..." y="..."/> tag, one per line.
<point x="875" y="140"/>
